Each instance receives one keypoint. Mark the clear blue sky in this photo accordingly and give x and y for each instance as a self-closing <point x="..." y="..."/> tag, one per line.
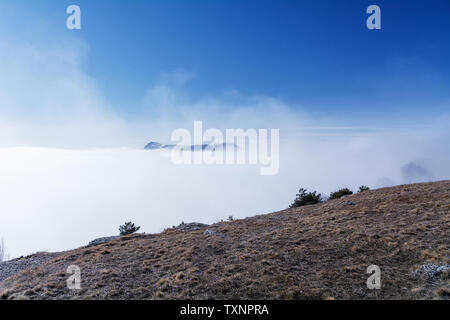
<point x="315" y="54"/>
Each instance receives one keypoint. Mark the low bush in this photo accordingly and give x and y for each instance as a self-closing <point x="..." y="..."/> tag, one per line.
<point x="304" y="198"/>
<point x="363" y="188"/>
<point x="340" y="193"/>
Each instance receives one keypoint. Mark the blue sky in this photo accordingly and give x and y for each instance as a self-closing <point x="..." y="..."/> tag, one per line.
<point x="314" y="55"/>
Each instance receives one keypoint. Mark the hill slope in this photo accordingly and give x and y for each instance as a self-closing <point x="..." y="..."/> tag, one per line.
<point x="312" y="252"/>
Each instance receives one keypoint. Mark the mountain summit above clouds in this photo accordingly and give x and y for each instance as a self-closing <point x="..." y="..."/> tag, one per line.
<point x="152" y="145"/>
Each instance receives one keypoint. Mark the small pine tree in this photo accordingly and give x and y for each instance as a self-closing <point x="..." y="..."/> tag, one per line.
<point x="363" y="188"/>
<point x="128" y="228"/>
<point x="303" y="198"/>
<point x="340" y="193"/>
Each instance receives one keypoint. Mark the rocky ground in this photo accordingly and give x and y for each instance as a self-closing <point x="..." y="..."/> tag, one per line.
<point x="15" y="266"/>
<point x="313" y="252"/>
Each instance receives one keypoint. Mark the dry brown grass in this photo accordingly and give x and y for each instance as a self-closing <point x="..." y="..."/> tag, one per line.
<point x="312" y="252"/>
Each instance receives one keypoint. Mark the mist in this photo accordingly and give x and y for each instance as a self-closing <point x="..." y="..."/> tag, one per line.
<point x="56" y="199"/>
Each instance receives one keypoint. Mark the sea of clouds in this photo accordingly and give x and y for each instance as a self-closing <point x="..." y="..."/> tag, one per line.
<point x="71" y="169"/>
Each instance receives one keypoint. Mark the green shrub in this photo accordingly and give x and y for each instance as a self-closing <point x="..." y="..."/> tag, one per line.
<point x="340" y="193"/>
<point x="363" y="188"/>
<point x="128" y="228"/>
<point x="305" y="198"/>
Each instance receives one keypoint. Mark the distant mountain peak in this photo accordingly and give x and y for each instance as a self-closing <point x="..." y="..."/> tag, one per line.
<point x="153" y="145"/>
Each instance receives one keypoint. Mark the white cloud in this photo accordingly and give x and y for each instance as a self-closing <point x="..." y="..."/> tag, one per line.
<point x="177" y="77"/>
<point x="47" y="100"/>
<point x="58" y="199"/>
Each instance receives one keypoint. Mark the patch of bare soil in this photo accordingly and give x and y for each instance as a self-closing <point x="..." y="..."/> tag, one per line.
<point x="312" y="252"/>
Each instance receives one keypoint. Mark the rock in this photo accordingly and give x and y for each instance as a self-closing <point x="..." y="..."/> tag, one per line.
<point x="14" y="266"/>
<point x="430" y="271"/>
<point x="102" y="240"/>
<point x="209" y="232"/>
<point x="349" y="203"/>
<point x="361" y="292"/>
<point x="190" y="226"/>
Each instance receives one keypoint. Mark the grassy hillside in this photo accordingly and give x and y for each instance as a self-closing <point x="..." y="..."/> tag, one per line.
<point x="313" y="252"/>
